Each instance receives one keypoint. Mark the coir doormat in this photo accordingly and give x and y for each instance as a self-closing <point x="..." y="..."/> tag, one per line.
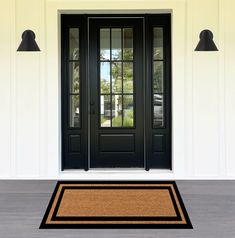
<point x="116" y="205"/>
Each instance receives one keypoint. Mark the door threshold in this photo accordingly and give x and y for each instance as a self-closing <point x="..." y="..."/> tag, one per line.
<point x="117" y="174"/>
<point x="116" y="170"/>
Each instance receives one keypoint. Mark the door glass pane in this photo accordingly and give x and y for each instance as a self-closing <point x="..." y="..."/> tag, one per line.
<point x="116" y="87"/>
<point x="74" y="111"/>
<point x="105" y="44"/>
<point x="128" y="111"/>
<point x="105" y="77"/>
<point x="74" y="77"/>
<point x="128" y="77"/>
<point x="158" y="77"/>
<point x="117" y="77"/>
<point x="105" y="111"/>
<point x="117" y="110"/>
<point x="74" y="44"/>
<point x="158" y="117"/>
<point x="158" y="43"/>
<point x="128" y="44"/>
<point x="116" y="44"/>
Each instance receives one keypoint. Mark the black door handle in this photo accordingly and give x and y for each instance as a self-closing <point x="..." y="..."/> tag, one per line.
<point x="92" y="110"/>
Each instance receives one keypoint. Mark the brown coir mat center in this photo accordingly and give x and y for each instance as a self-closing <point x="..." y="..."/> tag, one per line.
<point x="92" y="204"/>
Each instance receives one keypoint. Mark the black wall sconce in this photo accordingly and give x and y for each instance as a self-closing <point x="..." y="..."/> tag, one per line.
<point x="206" y="42"/>
<point x="28" y="42"/>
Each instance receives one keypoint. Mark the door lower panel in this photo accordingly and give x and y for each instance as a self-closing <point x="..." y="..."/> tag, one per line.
<point x="117" y="143"/>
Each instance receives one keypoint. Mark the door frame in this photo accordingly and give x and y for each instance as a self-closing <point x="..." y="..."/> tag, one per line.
<point x="147" y="73"/>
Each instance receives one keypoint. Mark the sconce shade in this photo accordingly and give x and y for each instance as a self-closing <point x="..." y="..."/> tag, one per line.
<point x="28" y="42"/>
<point x="206" y="42"/>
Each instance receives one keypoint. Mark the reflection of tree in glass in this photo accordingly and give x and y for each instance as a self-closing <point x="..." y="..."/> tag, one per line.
<point x="128" y="77"/>
<point x="157" y="53"/>
<point x="128" y="119"/>
<point x="127" y="53"/>
<point x="76" y="78"/>
<point x="75" y="89"/>
<point x="105" y="77"/>
<point x="117" y="77"/>
<point x="104" y="86"/>
<point x="157" y="77"/>
<point x="75" y="52"/>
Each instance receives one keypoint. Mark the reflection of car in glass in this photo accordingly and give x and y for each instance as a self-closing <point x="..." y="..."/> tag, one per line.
<point x="76" y="118"/>
<point x="76" y="121"/>
<point x="158" y="110"/>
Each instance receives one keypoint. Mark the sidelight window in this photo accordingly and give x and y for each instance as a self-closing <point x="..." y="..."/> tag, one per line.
<point x="74" y="78"/>
<point x="158" y="77"/>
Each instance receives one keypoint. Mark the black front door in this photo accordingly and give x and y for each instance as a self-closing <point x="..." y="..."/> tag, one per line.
<point x="116" y="93"/>
<point x="116" y="109"/>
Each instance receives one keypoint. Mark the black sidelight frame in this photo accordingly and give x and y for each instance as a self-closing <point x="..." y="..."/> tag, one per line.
<point x="74" y="159"/>
<point x="153" y="143"/>
<point x="157" y="158"/>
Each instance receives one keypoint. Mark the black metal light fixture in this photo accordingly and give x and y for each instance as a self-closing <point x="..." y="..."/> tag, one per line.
<point x="28" y="42"/>
<point x="206" y="42"/>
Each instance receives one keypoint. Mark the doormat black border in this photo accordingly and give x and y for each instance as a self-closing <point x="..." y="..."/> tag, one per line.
<point x="43" y="224"/>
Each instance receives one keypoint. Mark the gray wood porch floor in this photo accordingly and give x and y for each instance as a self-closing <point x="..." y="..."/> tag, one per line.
<point x="210" y="204"/>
